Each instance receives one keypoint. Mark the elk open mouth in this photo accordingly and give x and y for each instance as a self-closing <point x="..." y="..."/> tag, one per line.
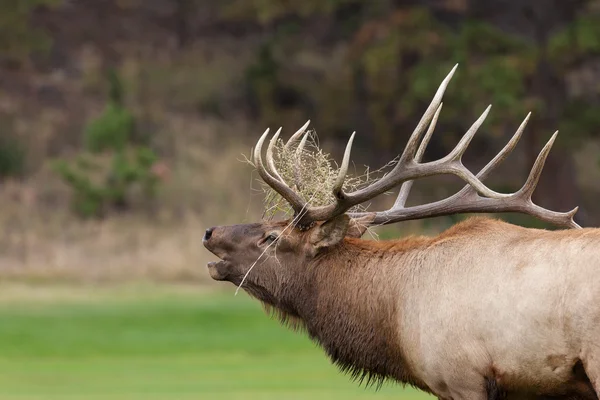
<point x="218" y="270"/>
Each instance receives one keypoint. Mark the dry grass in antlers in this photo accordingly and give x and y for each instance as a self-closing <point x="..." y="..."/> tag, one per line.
<point x="311" y="173"/>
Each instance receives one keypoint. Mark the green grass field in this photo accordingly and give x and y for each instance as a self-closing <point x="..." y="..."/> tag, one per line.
<point x="161" y="344"/>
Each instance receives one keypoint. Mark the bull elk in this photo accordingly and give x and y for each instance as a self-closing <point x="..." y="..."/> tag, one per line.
<point x="483" y="310"/>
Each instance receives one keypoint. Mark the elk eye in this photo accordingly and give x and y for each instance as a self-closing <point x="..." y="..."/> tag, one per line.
<point x="271" y="238"/>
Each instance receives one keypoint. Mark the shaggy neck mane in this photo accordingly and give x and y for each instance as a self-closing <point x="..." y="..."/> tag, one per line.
<point x="348" y="305"/>
<point x="287" y="319"/>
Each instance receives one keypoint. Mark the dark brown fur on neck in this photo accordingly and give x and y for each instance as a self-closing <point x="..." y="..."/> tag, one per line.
<point x="347" y="308"/>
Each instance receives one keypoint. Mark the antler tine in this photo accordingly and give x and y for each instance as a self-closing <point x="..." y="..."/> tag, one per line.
<point x="257" y="149"/>
<point x="536" y="171"/>
<point x="564" y="219"/>
<point x="461" y="147"/>
<point x="407" y="186"/>
<point x="298" y="160"/>
<point x="339" y="182"/>
<point x="300" y="147"/>
<point x="280" y="187"/>
<point x="508" y="148"/>
<point x="270" y="160"/>
<point x="428" y="134"/>
<point x="413" y="141"/>
<point x="296" y="135"/>
<point x="501" y="156"/>
<point x="571" y="215"/>
<point x="526" y="192"/>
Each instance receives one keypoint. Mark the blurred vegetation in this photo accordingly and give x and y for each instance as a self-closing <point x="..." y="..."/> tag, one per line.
<point x="114" y="129"/>
<point x="12" y="157"/>
<point x="100" y="187"/>
<point x="345" y="64"/>
<point x="579" y="38"/>
<point x="19" y="37"/>
<point x="397" y="56"/>
<point x="113" y="190"/>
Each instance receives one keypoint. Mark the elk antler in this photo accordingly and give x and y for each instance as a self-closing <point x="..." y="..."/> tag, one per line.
<point x="468" y="200"/>
<point x="474" y="197"/>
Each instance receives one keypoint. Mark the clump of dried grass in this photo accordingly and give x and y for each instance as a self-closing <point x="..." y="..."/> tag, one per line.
<point x="311" y="173"/>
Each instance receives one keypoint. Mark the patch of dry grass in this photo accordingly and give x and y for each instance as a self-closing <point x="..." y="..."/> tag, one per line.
<point x="311" y="172"/>
<point x="114" y="249"/>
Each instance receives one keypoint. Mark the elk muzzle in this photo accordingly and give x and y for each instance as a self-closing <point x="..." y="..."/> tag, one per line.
<point x="218" y="270"/>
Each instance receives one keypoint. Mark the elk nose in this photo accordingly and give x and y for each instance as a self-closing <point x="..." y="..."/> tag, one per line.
<point x="208" y="233"/>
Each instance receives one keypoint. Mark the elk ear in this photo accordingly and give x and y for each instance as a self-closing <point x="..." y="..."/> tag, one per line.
<point x="330" y="232"/>
<point x="358" y="226"/>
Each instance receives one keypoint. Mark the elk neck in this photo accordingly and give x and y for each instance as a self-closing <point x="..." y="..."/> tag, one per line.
<point x="350" y="305"/>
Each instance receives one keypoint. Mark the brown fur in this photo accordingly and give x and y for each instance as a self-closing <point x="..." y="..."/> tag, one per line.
<point x="353" y="322"/>
<point x="286" y="319"/>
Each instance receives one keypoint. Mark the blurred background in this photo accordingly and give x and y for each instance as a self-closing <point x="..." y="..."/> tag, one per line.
<point x="123" y="130"/>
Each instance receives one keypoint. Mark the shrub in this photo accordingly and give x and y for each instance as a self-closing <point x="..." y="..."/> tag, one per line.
<point x="114" y="129"/>
<point x="88" y="198"/>
<point x="19" y="38"/>
<point x="111" y="131"/>
<point x="98" y="189"/>
<point x="107" y="182"/>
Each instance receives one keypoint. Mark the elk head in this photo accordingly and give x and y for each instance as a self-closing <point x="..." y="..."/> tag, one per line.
<point x="269" y="258"/>
<point x="275" y="252"/>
